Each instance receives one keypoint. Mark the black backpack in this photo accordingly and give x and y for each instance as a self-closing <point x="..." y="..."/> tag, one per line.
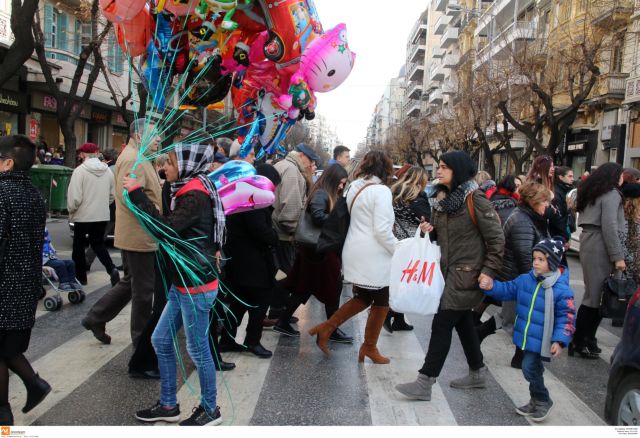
<point x="335" y="228"/>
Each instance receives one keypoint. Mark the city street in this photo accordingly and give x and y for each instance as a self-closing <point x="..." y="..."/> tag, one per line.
<point x="298" y="386"/>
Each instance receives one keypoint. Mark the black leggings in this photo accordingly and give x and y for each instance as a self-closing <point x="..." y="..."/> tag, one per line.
<point x="373" y="297"/>
<point x="19" y="365"/>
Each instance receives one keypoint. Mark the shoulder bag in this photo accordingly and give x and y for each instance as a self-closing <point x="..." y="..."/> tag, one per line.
<point x="617" y="290"/>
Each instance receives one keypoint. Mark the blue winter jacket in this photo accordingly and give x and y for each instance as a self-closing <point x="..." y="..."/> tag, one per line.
<point x="528" y="293"/>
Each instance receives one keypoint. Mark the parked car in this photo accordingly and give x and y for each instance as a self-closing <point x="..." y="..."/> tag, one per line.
<point x="622" y="404"/>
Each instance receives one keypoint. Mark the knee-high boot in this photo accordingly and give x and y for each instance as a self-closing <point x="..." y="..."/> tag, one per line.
<point x="346" y="311"/>
<point x="371" y="334"/>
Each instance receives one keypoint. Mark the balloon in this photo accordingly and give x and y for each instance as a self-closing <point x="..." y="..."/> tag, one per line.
<point x="118" y="11"/>
<point x="134" y="35"/>
<point x="181" y="7"/>
<point x="232" y="171"/>
<point x="292" y="25"/>
<point x="245" y="194"/>
<point x="155" y="76"/>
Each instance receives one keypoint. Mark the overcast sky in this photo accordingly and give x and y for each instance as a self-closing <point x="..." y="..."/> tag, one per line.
<point x="377" y="31"/>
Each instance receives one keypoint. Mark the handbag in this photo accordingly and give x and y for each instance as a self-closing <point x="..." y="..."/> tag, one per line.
<point x="617" y="290"/>
<point x="307" y="233"/>
<point x="335" y="228"/>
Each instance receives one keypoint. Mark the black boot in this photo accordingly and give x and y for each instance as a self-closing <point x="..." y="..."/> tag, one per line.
<point x="486" y="328"/>
<point x="516" y="360"/>
<point x="340" y="337"/>
<point x="37" y="390"/>
<point x="399" y="324"/>
<point x="387" y="321"/>
<point x="6" y="416"/>
<point x="587" y="322"/>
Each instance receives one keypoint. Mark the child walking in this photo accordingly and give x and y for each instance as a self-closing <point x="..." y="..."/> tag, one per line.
<point x="545" y="318"/>
<point x="22" y="219"/>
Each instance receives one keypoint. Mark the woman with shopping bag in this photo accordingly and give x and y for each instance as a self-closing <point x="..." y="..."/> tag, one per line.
<point x="411" y="207"/>
<point x="468" y="231"/>
<point x="367" y="254"/>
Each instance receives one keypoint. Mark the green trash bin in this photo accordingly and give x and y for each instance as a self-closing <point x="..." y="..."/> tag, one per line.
<point x="52" y="181"/>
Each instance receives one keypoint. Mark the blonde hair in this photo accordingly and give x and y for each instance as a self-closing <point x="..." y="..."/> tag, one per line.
<point x="161" y="160"/>
<point x="533" y="193"/>
<point x="632" y="208"/>
<point x="482" y="177"/>
<point x="410" y="184"/>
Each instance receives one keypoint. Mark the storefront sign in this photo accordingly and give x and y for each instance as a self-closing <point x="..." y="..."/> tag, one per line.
<point x="46" y="102"/>
<point x="576" y="147"/>
<point x="118" y="120"/>
<point x="100" y="116"/>
<point x="33" y="129"/>
<point x="12" y="102"/>
<point x="632" y="91"/>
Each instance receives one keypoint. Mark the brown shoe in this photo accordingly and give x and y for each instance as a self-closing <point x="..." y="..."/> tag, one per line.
<point x="99" y="332"/>
<point x="369" y="347"/>
<point x="324" y="330"/>
<point x="269" y="322"/>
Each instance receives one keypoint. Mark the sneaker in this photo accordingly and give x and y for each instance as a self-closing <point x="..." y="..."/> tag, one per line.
<point x="542" y="411"/>
<point x="528" y="409"/>
<point x="76" y="285"/>
<point x="340" y="337"/>
<point x="200" y="417"/>
<point x="159" y="413"/>
<point x="286" y="329"/>
<point x="66" y="287"/>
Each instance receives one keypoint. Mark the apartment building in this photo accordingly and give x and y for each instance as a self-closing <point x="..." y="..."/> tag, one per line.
<point x="388" y="113"/>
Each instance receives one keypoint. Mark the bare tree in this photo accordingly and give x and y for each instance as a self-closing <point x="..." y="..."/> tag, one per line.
<point x="22" y="12"/>
<point x="69" y="107"/>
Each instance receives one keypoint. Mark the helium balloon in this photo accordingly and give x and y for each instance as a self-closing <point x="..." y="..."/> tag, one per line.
<point x="245" y="194"/>
<point x="134" y="35"/>
<point x="231" y="171"/>
<point x="118" y="11"/>
<point x="181" y="8"/>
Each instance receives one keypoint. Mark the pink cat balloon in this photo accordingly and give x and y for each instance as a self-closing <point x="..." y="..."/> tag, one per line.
<point x="326" y="63"/>
<point x="245" y="194"/>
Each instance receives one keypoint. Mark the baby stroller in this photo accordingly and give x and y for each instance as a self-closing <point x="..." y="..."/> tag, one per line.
<point x="53" y="303"/>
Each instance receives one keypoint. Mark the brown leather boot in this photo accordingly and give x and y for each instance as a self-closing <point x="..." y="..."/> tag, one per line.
<point x="324" y="330"/>
<point x="371" y="333"/>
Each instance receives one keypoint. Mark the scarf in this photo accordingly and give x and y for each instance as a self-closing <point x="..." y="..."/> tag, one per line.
<point x="548" y="281"/>
<point x="454" y="201"/>
<point x="193" y="162"/>
<point x="505" y="192"/>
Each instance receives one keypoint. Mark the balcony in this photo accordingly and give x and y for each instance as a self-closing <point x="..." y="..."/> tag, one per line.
<point x="612" y="85"/>
<point x="436" y="73"/>
<point x="417" y="54"/>
<point x="419" y="30"/>
<point x="493" y="11"/>
<point x="441" y="5"/>
<point x="612" y="14"/>
<point x="454" y="9"/>
<point x="435" y="97"/>
<point x="451" y="60"/>
<point x="413" y="108"/>
<point x="449" y="88"/>
<point x="449" y="38"/>
<point x="438" y="52"/>
<point x="517" y="31"/>
<point x="414" y="90"/>
<point x="441" y="24"/>
<point x="416" y="72"/>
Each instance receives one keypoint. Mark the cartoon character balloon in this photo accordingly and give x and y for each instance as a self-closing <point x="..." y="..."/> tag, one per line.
<point x="118" y="11"/>
<point x="245" y="194"/>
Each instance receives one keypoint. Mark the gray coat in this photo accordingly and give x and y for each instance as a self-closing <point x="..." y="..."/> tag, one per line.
<point x="600" y="245"/>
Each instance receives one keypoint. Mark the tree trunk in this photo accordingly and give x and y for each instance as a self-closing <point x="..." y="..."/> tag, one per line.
<point x="69" y="134"/>
<point x="22" y="12"/>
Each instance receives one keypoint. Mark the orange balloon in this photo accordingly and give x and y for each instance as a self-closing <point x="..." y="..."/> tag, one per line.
<point x="134" y="35"/>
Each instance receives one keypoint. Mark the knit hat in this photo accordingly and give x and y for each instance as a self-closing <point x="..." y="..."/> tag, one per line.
<point x="89" y="148"/>
<point x="554" y="250"/>
<point x="462" y="166"/>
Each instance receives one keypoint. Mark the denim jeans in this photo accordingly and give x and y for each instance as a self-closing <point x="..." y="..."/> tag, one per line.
<point x="533" y="369"/>
<point x="65" y="269"/>
<point x="192" y="312"/>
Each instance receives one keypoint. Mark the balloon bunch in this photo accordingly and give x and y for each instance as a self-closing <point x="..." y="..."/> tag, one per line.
<point x="272" y="55"/>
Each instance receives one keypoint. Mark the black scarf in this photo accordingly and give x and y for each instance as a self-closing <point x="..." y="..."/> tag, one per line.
<point x="454" y="201"/>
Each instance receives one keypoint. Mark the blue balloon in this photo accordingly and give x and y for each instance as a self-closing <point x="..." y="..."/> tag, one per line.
<point x="232" y="171"/>
<point x="247" y="145"/>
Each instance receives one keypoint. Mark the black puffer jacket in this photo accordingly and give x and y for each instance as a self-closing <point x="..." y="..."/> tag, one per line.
<point x="504" y="206"/>
<point x="193" y="220"/>
<point x="319" y="207"/>
<point x="560" y="203"/>
<point x="522" y="231"/>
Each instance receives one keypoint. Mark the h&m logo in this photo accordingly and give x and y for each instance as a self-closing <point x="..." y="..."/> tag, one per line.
<point x="411" y="274"/>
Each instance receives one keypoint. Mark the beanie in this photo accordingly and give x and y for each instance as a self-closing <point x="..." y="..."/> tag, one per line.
<point x="554" y="250"/>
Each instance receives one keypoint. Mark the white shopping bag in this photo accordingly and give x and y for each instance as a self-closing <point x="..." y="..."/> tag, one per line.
<point x="416" y="279"/>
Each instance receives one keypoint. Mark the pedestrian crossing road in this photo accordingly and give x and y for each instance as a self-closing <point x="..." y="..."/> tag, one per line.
<point x="298" y="385"/>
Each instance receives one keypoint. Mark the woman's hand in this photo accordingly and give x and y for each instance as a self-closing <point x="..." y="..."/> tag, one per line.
<point x="621" y="265"/>
<point x="425" y="226"/>
<point x="129" y="183"/>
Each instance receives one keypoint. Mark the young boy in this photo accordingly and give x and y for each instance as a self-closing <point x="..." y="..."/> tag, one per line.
<point x="22" y="219"/>
<point x="545" y="318"/>
<point x="65" y="269"/>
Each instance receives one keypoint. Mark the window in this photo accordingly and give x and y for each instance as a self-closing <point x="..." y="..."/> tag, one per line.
<point x="77" y="37"/>
<point x="617" y="54"/>
<point x="115" y="56"/>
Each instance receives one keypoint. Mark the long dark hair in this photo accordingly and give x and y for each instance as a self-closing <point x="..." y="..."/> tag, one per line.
<point x="329" y="181"/>
<point x="376" y="163"/>
<point x="540" y="171"/>
<point x="604" y="179"/>
<point x="507" y="183"/>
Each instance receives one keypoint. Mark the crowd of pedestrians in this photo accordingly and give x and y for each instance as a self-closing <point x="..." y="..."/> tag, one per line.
<point x="502" y="244"/>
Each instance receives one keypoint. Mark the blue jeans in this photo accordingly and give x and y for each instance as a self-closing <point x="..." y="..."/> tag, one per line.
<point x="192" y="312"/>
<point x="65" y="269"/>
<point x="533" y="369"/>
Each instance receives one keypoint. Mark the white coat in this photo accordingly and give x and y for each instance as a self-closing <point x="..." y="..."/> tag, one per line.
<point x="91" y="190"/>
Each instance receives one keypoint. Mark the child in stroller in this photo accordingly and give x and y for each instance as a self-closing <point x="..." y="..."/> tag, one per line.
<point x="65" y="269"/>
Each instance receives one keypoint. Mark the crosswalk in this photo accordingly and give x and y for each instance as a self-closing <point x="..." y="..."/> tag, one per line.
<point x="299" y="386"/>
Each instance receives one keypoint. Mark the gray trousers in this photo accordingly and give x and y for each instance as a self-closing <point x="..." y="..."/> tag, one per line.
<point x="136" y="286"/>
